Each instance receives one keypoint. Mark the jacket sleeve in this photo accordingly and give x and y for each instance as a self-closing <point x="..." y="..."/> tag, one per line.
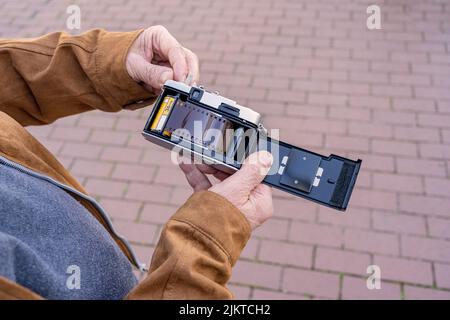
<point x="13" y="291"/>
<point x="196" y="251"/>
<point x="43" y="79"/>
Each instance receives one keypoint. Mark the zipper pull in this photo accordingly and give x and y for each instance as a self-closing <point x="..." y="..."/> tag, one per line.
<point x="142" y="271"/>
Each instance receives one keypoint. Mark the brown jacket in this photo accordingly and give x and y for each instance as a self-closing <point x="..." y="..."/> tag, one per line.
<point x="57" y="75"/>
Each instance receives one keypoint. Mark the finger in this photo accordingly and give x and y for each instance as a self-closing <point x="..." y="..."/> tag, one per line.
<point x="168" y="47"/>
<point x="196" y="179"/>
<point x="221" y="175"/>
<point x="253" y="171"/>
<point x="193" y="66"/>
<point x="208" y="169"/>
<point x="152" y="75"/>
<point x="261" y="196"/>
<point x="262" y="191"/>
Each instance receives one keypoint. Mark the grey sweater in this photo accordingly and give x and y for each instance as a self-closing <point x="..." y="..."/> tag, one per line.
<point x="52" y="245"/>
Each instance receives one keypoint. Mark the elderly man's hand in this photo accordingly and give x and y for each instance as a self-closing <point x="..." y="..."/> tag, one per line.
<point x="243" y="188"/>
<point x="156" y="56"/>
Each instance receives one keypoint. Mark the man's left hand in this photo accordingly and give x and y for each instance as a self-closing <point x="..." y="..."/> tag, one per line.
<point x="156" y="56"/>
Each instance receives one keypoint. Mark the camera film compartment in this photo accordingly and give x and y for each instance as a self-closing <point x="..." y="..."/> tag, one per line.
<point x="175" y="118"/>
<point x="200" y="126"/>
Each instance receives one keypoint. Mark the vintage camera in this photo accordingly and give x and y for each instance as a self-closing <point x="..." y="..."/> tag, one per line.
<point x="223" y="133"/>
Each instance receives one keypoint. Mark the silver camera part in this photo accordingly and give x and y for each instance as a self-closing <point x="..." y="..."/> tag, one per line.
<point x="214" y="100"/>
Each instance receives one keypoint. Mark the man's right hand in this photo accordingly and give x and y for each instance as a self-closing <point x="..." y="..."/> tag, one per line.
<point x="243" y="189"/>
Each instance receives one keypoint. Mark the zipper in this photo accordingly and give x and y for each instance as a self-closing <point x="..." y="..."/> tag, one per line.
<point x="140" y="266"/>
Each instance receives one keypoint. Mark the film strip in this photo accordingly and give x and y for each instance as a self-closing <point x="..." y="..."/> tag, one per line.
<point x="198" y="125"/>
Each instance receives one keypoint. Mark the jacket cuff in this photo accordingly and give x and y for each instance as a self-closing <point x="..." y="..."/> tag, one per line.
<point x="219" y="219"/>
<point x="114" y="82"/>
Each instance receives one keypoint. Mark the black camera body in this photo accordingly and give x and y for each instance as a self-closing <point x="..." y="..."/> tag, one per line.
<point x="222" y="133"/>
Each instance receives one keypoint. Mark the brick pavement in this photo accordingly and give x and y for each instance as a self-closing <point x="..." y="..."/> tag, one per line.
<point x="315" y="71"/>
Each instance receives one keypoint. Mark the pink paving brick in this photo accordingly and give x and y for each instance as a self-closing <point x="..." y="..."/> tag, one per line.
<point x="255" y="274"/>
<point x="425" y="205"/>
<point x="401" y="223"/>
<point x="330" y="85"/>
<point x="137" y="232"/>
<point x="311" y="283"/>
<point x="180" y="195"/>
<point x="397" y="148"/>
<point x="259" y="294"/>
<point x="133" y="172"/>
<point x="426" y="248"/>
<point x="96" y="121"/>
<point x="273" y="229"/>
<point x="418" y="293"/>
<point x="356" y="289"/>
<point x="91" y="168"/>
<point x="316" y="234"/>
<point x="70" y="133"/>
<point x="391" y="182"/>
<point x="442" y="273"/>
<point x="251" y="249"/>
<point x="353" y="217"/>
<point x="356" y="114"/>
<point x="157" y="213"/>
<point x="128" y="124"/>
<point x="341" y="261"/>
<point x="52" y="145"/>
<point x="369" y="241"/>
<point x="437" y="186"/>
<point x="434" y="151"/>
<point x="109" y="137"/>
<point x="145" y="192"/>
<point x="435" y="120"/>
<point x="421" y="167"/>
<point x="100" y="187"/>
<point x="404" y="270"/>
<point x="416" y="134"/>
<point x="158" y="157"/>
<point x="414" y="104"/>
<point x="81" y="150"/>
<point x="121" y="154"/>
<point x="286" y="253"/>
<point x="378" y="162"/>
<point x="439" y="228"/>
<point x="144" y="253"/>
<point x="365" y="129"/>
<point x="121" y="209"/>
<point x="40" y="131"/>
<point x="297" y="209"/>
<point x="347" y="143"/>
<point x="240" y="292"/>
<point x="170" y="175"/>
<point x="374" y="199"/>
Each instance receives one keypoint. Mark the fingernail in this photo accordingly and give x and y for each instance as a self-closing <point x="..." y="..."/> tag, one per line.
<point x="188" y="79"/>
<point x="265" y="158"/>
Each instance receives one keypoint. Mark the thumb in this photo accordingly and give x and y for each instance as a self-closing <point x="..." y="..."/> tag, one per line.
<point x="152" y="75"/>
<point x="253" y="171"/>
